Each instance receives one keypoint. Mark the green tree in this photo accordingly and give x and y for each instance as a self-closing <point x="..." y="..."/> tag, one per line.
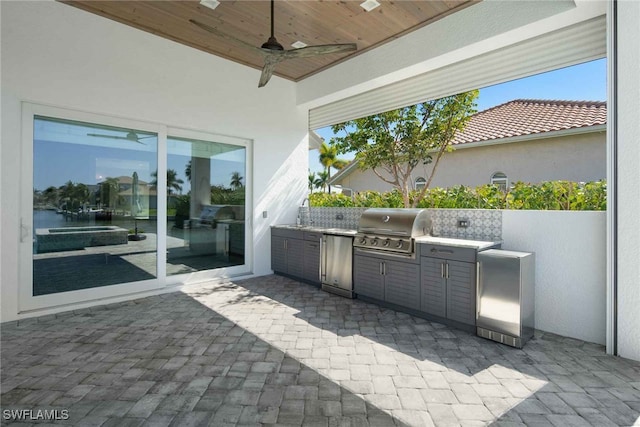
<point x="395" y="143"/>
<point x="329" y="159"/>
<point x="322" y="180"/>
<point x="173" y="182"/>
<point x="236" y="180"/>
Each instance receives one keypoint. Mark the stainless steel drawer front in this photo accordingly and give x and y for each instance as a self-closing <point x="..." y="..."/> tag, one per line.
<point x="448" y="252"/>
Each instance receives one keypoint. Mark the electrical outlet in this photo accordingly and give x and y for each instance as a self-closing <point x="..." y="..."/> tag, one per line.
<point x="463" y="223"/>
<point x="339" y="216"/>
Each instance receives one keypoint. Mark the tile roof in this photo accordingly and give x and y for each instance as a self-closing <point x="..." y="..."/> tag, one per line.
<point x="531" y="116"/>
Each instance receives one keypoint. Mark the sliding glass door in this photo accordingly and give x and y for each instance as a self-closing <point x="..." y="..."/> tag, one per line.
<point x="206" y="207"/>
<point x="94" y="205"/>
<point x="112" y="207"/>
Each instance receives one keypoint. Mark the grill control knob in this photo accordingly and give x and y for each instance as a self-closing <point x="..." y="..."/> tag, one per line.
<point x="374" y="241"/>
<point x="386" y="243"/>
<point x="363" y="241"/>
<point x="399" y="244"/>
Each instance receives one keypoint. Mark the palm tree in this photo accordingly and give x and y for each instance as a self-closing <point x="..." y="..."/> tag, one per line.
<point x="322" y="181"/>
<point x="173" y="182"/>
<point x="236" y="180"/>
<point x="312" y="181"/>
<point x="329" y="159"/>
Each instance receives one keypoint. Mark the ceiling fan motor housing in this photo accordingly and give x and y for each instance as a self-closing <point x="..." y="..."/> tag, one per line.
<point x="272" y="44"/>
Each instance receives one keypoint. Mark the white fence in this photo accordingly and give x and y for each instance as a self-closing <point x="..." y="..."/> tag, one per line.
<point x="570" y="252"/>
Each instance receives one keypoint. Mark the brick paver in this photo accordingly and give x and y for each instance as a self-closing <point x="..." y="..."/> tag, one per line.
<point x="271" y="350"/>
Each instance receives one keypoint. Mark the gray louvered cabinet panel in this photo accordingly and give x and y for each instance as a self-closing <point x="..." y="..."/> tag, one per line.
<point x="311" y="266"/>
<point x="295" y="257"/>
<point x="367" y="279"/>
<point x="402" y="284"/>
<point x="433" y="298"/>
<point x="278" y="254"/>
<point x="461" y="292"/>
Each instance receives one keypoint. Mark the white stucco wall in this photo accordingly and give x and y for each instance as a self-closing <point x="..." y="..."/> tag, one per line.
<point x="579" y="157"/>
<point x="570" y="250"/>
<point x="628" y="183"/>
<point x="55" y="54"/>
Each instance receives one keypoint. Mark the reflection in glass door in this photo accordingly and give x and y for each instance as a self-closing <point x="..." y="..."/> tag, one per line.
<point x="206" y="201"/>
<point x="94" y="205"/>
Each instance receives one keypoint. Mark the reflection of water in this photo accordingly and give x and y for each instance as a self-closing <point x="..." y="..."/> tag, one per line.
<point x="50" y="219"/>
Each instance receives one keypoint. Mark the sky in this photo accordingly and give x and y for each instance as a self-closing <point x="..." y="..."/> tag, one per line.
<point x="582" y="82"/>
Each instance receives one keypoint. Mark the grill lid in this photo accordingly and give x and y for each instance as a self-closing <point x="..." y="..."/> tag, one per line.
<point x="408" y="223"/>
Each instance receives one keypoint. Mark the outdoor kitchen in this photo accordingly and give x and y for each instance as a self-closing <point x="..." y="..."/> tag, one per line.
<point x="414" y="261"/>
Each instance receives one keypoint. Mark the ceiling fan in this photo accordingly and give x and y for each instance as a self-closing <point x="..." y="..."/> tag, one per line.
<point x="130" y="136"/>
<point x="274" y="53"/>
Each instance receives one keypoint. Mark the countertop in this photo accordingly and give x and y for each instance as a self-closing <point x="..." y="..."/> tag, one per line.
<point x="334" y="231"/>
<point x="479" y="245"/>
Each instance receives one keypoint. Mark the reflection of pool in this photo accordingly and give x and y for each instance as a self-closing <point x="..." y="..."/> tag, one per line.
<point x="75" y="229"/>
<point x="71" y="238"/>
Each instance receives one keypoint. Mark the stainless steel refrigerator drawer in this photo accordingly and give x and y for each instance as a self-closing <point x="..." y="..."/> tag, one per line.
<point x="505" y="296"/>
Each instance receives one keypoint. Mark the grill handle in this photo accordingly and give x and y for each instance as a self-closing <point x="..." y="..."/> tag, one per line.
<point x="383" y="231"/>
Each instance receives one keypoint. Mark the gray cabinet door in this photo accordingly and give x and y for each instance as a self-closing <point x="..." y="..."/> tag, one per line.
<point x="295" y="257"/>
<point x="402" y="284"/>
<point x="461" y="292"/>
<point x="311" y="267"/>
<point x="278" y="254"/>
<point x="433" y="287"/>
<point x="367" y="277"/>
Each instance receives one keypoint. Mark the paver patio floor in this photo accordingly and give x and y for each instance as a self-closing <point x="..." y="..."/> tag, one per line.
<point x="270" y="350"/>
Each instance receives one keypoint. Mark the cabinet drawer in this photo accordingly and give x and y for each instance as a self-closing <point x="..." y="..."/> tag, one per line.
<point x="287" y="234"/>
<point x="312" y="235"/>
<point x="448" y="252"/>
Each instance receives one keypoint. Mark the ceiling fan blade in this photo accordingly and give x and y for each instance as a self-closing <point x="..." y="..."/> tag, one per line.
<point x="270" y="62"/>
<point x="219" y="33"/>
<point x="325" y="49"/>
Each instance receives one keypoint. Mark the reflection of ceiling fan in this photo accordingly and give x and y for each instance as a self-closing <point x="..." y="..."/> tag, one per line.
<point x="274" y="53"/>
<point x="131" y="136"/>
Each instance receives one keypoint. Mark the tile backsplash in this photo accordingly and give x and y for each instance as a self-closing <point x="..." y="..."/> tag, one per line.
<point x="483" y="224"/>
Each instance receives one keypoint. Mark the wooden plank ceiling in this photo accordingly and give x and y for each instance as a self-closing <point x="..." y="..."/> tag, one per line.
<point x="312" y="22"/>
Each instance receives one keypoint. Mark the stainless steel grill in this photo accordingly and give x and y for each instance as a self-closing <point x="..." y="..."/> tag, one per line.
<point x="392" y="230"/>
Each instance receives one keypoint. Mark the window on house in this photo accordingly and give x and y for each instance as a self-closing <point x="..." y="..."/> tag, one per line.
<point x="420" y="183"/>
<point x="499" y="179"/>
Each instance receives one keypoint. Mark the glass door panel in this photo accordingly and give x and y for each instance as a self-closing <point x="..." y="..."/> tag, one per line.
<point x="205" y="205"/>
<point x="94" y="205"/>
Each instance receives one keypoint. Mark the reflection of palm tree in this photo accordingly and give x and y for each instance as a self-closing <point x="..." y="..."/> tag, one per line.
<point x="187" y="170"/>
<point x="51" y="195"/>
<point x="236" y="180"/>
<point x="109" y="191"/>
<point x="173" y="182"/>
<point x="329" y="159"/>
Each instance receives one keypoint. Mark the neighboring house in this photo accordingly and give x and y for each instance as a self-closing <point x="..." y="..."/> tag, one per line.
<point x="522" y="140"/>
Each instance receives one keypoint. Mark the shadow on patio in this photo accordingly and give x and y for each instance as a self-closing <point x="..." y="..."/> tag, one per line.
<point x="166" y="360"/>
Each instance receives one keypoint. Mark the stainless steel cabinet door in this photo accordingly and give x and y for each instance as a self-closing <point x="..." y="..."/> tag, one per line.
<point x="499" y="294"/>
